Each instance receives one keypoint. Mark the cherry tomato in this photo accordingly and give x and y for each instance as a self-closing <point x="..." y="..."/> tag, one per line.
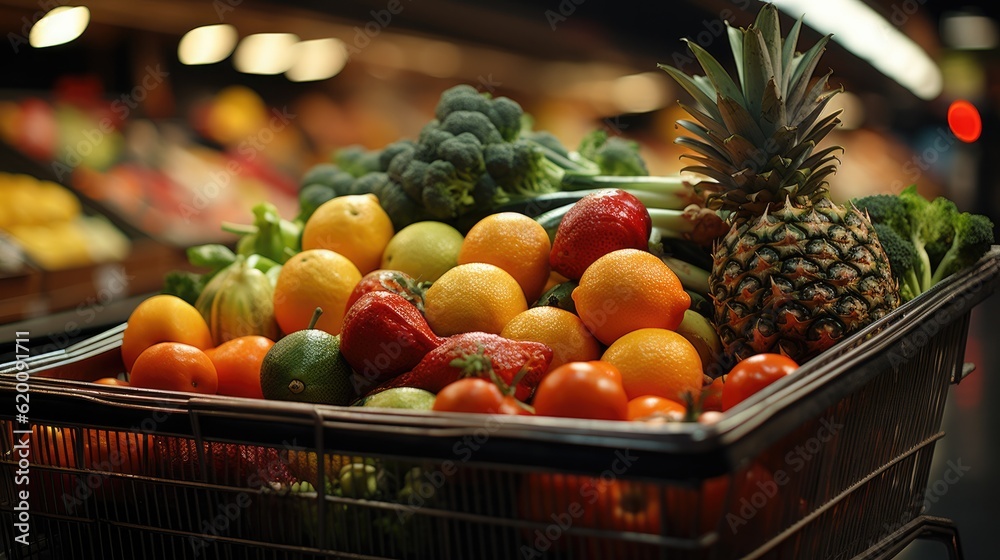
<point x="582" y="390"/>
<point x="647" y="406"/>
<point x="478" y="395"/>
<point x="752" y="375"/>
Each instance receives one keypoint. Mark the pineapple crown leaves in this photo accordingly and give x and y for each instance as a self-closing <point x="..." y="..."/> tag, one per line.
<point x="756" y="134"/>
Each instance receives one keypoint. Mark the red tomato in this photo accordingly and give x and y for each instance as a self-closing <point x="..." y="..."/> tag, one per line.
<point x="478" y="395"/>
<point x="582" y="390"/>
<point x="711" y="398"/>
<point x="752" y="375"/>
<point x="649" y="405"/>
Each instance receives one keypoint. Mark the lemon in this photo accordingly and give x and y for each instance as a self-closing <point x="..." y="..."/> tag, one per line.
<point x="424" y="250"/>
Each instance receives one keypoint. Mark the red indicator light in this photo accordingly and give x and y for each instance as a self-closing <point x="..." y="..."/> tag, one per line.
<point x="964" y="121"/>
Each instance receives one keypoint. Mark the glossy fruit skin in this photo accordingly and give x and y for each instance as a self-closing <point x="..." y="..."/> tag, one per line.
<point x="384" y="335"/>
<point x="581" y="390"/>
<point x="753" y="374"/>
<point x="515" y="243"/>
<point x="560" y="330"/>
<point x="596" y="225"/>
<point x="475" y="395"/>
<point x="163" y="318"/>
<point x="237" y="363"/>
<point x="507" y="357"/>
<point x="711" y="399"/>
<point x="627" y="290"/>
<point x="354" y="226"/>
<point x="314" y="278"/>
<point x="307" y="366"/>
<point x="172" y="366"/>
<point x="382" y="280"/>
<point x="473" y="297"/>
<point x="656" y="362"/>
<point x="647" y="406"/>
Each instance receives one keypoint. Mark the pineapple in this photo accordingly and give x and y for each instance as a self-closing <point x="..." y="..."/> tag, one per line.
<point x="796" y="272"/>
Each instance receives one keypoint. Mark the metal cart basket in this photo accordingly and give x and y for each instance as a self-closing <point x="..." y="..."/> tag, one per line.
<point x="830" y="463"/>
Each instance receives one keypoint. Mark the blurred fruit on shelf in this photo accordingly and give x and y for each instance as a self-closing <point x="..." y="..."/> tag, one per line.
<point x="47" y="220"/>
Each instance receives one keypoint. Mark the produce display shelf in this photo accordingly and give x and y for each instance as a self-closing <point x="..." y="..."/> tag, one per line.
<point x="832" y="462"/>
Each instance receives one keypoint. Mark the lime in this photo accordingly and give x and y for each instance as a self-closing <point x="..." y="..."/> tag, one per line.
<point x="424" y="250"/>
<point x="401" y="397"/>
<point x="306" y="366"/>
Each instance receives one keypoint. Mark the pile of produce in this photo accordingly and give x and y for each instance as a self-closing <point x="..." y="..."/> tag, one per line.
<point x="486" y="268"/>
<point x="495" y="270"/>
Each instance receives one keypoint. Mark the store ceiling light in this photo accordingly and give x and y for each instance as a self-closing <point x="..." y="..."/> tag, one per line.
<point x="60" y="25"/>
<point x="265" y="53"/>
<point x="207" y="45"/>
<point x="871" y="37"/>
<point x="969" y="32"/>
<point x="319" y="59"/>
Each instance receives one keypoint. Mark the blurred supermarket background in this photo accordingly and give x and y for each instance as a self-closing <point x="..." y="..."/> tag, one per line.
<point x="130" y="129"/>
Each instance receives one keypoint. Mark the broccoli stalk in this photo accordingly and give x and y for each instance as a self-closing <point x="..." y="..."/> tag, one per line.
<point x="973" y="237"/>
<point x="699" y="225"/>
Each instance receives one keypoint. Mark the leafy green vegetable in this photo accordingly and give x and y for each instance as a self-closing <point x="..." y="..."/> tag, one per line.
<point x="269" y="236"/>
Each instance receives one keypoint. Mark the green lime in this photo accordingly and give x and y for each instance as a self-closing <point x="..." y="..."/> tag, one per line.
<point x="306" y="366"/>
<point x="424" y="250"/>
<point x="401" y="397"/>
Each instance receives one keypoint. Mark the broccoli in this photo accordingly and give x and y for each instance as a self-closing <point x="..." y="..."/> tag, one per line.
<point x="613" y="155"/>
<point x="521" y="169"/>
<point x="357" y="161"/>
<point x="973" y="236"/>
<point x="902" y="259"/>
<point x="932" y="238"/>
<point x="478" y="154"/>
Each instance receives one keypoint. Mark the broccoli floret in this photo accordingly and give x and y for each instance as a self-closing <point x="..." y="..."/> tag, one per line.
<point x="319" y="184"/>
<point x="521" y="169"/>
<point x="368" y="183"/>
<point x="465" y="153"/>
<point x="402" y="209"/>
<point x="504" y="113"/>
<point x="477" y="124"/>
<point x="391" y="151"/>
<point x="357" y="160"/>
<point x="973" y="236"/>
<point x="613" y="155"/>
<point x="445" y="194"/>
<point x="902" y="257"/>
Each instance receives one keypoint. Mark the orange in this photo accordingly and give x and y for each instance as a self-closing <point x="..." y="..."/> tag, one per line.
<point x="627" y="290"/>
<point x="558" y="329"/>
<point x="172" y="366"/>
<point x="314" y="278"/>
<point x="473" y="297"/>
<point x="163" y="318"/>
<point x="656" y="362"/>
<point x="515" y="243"/>
<point x="355" y="226"/>
<point x="237" y="361"/>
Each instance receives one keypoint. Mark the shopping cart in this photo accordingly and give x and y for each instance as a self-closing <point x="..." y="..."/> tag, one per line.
<point x="831" y="463"/>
